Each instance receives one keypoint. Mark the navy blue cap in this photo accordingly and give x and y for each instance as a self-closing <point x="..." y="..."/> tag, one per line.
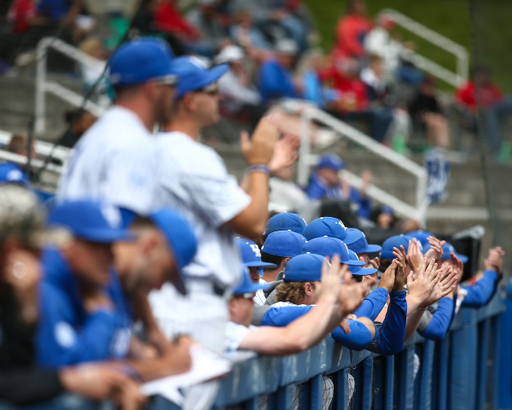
<point x="12" y="174"/>
<point x="360" y="245"/>
<point x="394" y="242"/>
<point x="247" y="285"/>
<point x="327" y="246"/>
<point x="304" y="268"/>
<point x="358" y="270"/>
<point x="332" y="227"/>
<point x="251" y="254"/>
<point x="285" y="244"/>
<point x="181" y="240"/>
<point x="284" y="222"/>
<point x="387" y="210"/>
<point x="91" y="221"/>
<point x="141" y="60"/>
<point x="420" y="236"/>
<point x="447" y="248"/>
<point x="194" y="74"/>
<point x="331" y="161"/>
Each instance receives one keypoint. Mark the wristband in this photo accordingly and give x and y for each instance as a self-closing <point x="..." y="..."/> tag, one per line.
<point x="259" y="168"/>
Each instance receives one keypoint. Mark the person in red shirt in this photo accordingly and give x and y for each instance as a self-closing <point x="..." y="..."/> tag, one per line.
<point x="352" y="99"/>
<point x="351" y="29"/>
<point x="20" y="15"/>
<point x="481" y="94"/>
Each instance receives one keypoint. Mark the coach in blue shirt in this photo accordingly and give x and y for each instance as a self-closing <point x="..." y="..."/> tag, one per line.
<point x="79" y="322"/>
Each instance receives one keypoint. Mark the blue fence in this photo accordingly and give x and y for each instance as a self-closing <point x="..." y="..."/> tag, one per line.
<point x="470" y="369"/>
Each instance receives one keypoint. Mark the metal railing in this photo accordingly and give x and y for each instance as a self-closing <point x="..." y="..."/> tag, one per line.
<point x="454" y="78"/>
<point x="43" y="85"/>
<point x="469" y="369"/>
<point x="307" y="159"/>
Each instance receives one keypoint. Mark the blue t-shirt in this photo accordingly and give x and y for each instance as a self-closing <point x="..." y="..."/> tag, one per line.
<point x="54" y="9"/>
<point x="275" y="82"/>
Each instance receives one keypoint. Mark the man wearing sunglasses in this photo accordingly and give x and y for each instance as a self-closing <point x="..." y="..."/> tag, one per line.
<point x="194" y="179"/>
<point x="116" y="159"/>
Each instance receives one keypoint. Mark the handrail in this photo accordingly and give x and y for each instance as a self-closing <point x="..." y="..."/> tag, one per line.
<point x="439" y="40"/>
<point x="375" y="375"/>
<point x="42" y="148"/>
<point x="43" y="85"/>
<point x="306" y="160"/>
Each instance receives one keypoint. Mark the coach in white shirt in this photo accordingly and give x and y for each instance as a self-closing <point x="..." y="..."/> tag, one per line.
<point x="194" y="180"/>
<point x="116" y="159"/>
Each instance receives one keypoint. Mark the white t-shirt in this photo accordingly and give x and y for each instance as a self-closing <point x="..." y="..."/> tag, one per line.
<point x="115" y="160"/>
<point x="235" y="334"/>
<point x="194" y="180"/>
<point x="260" y="298"/>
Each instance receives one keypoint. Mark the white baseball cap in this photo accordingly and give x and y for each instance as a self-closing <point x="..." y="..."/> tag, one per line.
<point x="230" y="54"/>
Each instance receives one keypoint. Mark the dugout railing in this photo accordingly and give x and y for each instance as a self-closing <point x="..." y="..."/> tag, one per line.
<point x="470" y="368"/>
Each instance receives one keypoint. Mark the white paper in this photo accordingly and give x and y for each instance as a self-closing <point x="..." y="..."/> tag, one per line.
<point x="206" y="365"/>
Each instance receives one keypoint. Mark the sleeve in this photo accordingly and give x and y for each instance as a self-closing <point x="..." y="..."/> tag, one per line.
<point x="29" y="386"/>
<point x="365" y="204"/>
<point x="481" y="293"/>
<point x="234" y="335"/>
<point x="440" y="323"/>
<point x="359" y="337"/>
<point x="59" y="344"/>
<point x="315" y="191"/>
<point x="273" y="85"/>
<point x="373" y="304"/>
<point x="283" y="316"/>
<point x="216" y="194"/>
<point x="392" y="332"/>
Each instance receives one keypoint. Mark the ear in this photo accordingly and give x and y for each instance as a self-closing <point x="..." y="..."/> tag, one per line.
<point x="232" y="306"/>
<point x="148" y="241"/>
<point x="151" y="90"/>
<point x="189" y="101"/>
<point x="283" y="263"/>
<point x="308" y="289"/>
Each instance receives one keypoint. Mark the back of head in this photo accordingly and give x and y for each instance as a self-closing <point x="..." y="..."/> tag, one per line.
<point x="286" y="244"/>
<point x="285" y="221"/>
<point x="18" y="144"/>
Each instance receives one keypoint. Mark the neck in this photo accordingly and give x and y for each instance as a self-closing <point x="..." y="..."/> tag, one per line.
<point x="186" y="125"/>
<point x="141" y="110"/>
<point x="270" y="275"/>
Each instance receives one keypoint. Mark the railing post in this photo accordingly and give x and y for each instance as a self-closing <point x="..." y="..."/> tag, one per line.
<point x="404" y="399"/>
<point x="363" y="375"/>
<point x="440" y="388"/>
<point x="40" y="99"/>
<point x="383" y="375"/>
<point x="305" y="149"/>
<point x="425" y="375"/>
<point x="340" y="399"/>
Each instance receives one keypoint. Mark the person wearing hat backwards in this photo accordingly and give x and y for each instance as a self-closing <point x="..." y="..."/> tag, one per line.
<point x="325" y="183"/>
<point x="194" y="180"/>
<point x="116" y="159"/>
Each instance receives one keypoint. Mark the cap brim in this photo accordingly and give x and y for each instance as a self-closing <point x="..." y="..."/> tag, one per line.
<point x="254" y="287"/>
<point x="55" y="237"/>
<point x="352" y="236"/>
<point x="365" y="272"/>
<point x="463" y="258"/>
<point x="260" y="265"/>
<point x="373" y="248"/>
<point x="352" y="262"/>
<point x="211" y="76"/>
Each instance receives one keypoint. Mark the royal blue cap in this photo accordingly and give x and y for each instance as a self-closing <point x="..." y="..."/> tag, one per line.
<point x="247" y="285"/>
<point x="360" y="244"/>
<point x="304" y="268"/>
<point x="447" y="249"/>
<point x="181" y="240"/>
<point x="91" y="221"/>
<point x="141" y="60"/>
<point x="332" y="227"/>
<point x="327" y="246"/>
<point x="285" y="244"/>
<point x="394" y="242"/>
<point x="331" y="161"/>
<point x="358" y="270"/>
<point x="420" y="236"/>
<point x="12" y="174"/>
<point x="387" y="210"/>
<point x="251" y="254"/>
<point x="287" y="221"/>
<point x="194" y="74"/>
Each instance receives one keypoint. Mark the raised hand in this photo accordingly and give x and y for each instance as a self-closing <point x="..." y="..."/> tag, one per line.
<point x="421" y="286"/>
<point x="387" y="280"/>
<point x="375" y="263"/>
<point x="436" y="249"/>
<point x="414" y="255"/>
<point x="446" y="285"/>
<point x="345" y="326"/>
<point x="494" y="260"/>
<point x="285" y="153"/>
<point x="352" y="293"/>
<point x="332" y="278"/>
<point x="400" y="261"/>
<point x="259" y="149"/>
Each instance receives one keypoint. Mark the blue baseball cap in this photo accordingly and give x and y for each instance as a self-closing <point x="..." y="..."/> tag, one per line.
<point x="447" y="248"/>
<point x="181" y="240"/>
<point x="327" y="246"/>
<point x="387" y="210"/>
<point x="141" y="60"/>
<point x="284" y="222"/>
<point x="421" y="236"/>
<point x="92" y="221"/>
<point x="394" y="242"/>
<point x="332" y="227"/>
<point x="285" y="244"/>
<point x="358" y="270"/>
<point x="194" y="74"/>
<point x="251" y="254"/>
<point x="331" y="161"/>
<point x="304" y="268"/>
<point x="247" y="285"/>
<point x="360" y="244"/>
<point x="12" y="174"/>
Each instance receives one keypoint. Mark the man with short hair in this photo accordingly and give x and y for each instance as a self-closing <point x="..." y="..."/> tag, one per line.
<point x="116" y="159"/>
<point x="195" y="181"/>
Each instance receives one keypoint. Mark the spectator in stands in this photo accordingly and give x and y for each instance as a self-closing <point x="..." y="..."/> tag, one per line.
<point x="78" y="122"/>
<point x="92" y="72"/>
<point x="60" y="11"/>
<point x="325" y="183"/>
<point x="79" y="322"/>
<point x="426" y="110"/>
<point x="275" y="76"/>
<point x="246" y="34"/>
<point x="351" y="31"/>
<point x="21" y="15"/>
<point x="483" y="95"/>
<point x="379" y="42"/>
<point x="384" y="217"/>
<point x="208" y="21"/>
<point x="18" y="144"/>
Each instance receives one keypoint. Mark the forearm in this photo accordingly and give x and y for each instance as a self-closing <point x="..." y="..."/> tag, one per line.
<point x="392" y="333"/>
<point x="482" y="292"/>
<point x="412" y="322"/>
<point x="440" y="322"/>
<point x="373" y="304"/>
<point x="142" y="311"/>
<point x="29" y="386"/>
